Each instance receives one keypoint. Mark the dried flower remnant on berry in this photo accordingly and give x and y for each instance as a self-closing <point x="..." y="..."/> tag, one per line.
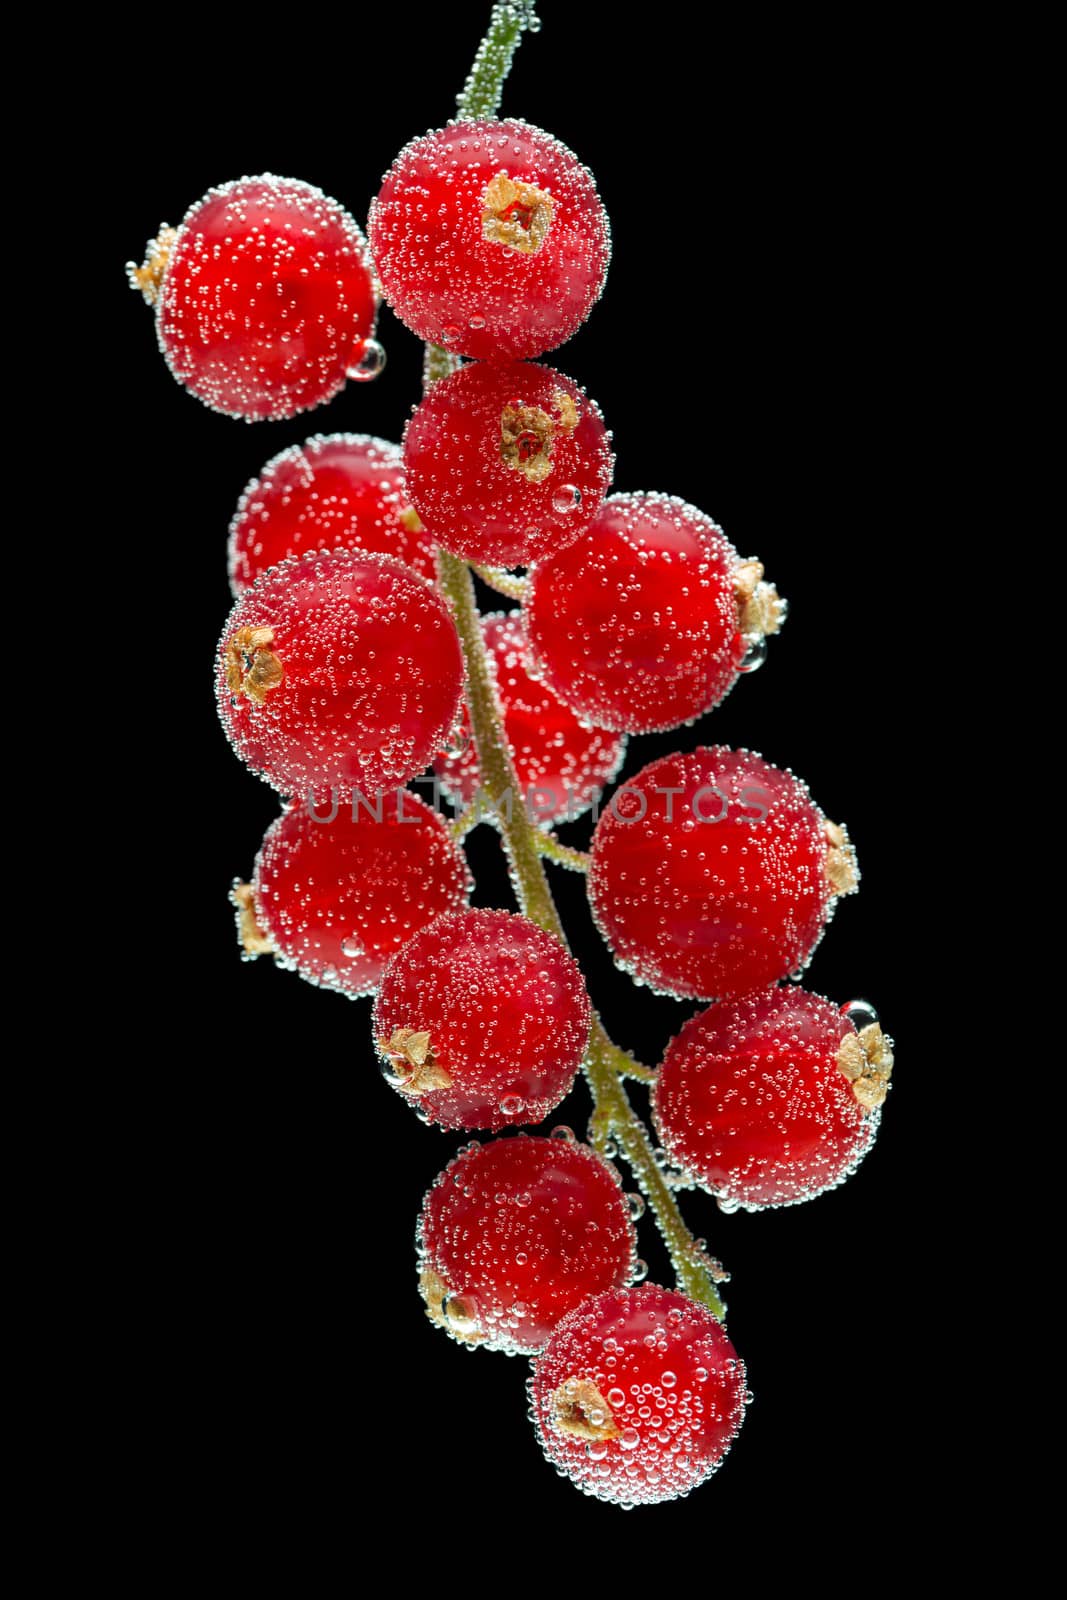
<point x="254" y="940"/>
<point x="580" y="1409"/>
<point x="518" y="215"/>
<point x="448" y="1311"/>
<point x="866" y="1059"/>
<point x="251" y="668"/>
<point x="527" y="432"/>
<point x="760" y="611"/>
<point x="842" y="868"/>
<point x="412" y="1058"/>
<point x="148" y="278"/>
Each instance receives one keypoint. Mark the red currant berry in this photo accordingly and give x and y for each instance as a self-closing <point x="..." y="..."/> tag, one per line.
<point x="337" y="893"/>
<point x="490" y="239"/>
<point x="506" y="462"/>
<point x="516" y="1233"/>
<point x="341" y="491"/>
<point x="482" y="1020"/>
<point x="638" y="1395"/>
<point x="265" y="298"/>
<point x="561" y="764"/>
<point x="339" y="670"/>
<point x="713" y="873"/>
<point x="772" y="1098"/>
<point x="646" y="623"/>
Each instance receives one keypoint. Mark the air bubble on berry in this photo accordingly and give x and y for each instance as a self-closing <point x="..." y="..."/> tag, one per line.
<point x="640" y="1272"/>
<point x="567" y="498"/>
<point x="754" y="657"/>
<point x="370" y="363"/>
<point x="860" y="1013"/>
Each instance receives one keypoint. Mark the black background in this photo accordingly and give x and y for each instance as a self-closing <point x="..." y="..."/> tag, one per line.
<point x="752" y="355"/>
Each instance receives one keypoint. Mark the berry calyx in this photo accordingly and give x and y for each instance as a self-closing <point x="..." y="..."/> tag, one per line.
<point x="713" y="873"/>
<point x="638" y="1395"/>
<point x="506" y="462"/>
<point x="333" y="492"/>
<point x="337" y="893"/>
<point x="490" y="239"/>
<point x="646" y="622"/>
<point x="771" y="1099"/>
<point x="265" y="298"/>
<point x="338" y="670"/>
<point x="515" y="1234"/>
<point x="561" y="764"/>
<point x="482" y="1020"/>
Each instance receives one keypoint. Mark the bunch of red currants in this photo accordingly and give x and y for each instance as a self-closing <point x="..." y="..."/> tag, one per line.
<point x="346" y="669"/>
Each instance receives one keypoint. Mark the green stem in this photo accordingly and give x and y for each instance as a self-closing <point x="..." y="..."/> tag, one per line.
<point x="552" y="850"/>
<point x="482" y="90"/>
<point x="508" y="583"/>
<point x="605" y="1064"/>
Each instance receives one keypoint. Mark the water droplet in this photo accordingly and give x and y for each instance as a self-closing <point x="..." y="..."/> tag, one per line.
<point x="860" y="1013"/>
<point x="477" y="322"/>
<point x="628" y="1439"/>
<point x="640" y="1272"/>
<point x="568" y="497"/>
<point x="369" y="364"/>
<point x="754" y="656"/>
<point x="636" y="1203"/>
<point x="563" y="1132"/>
<point x="351" y="946"/>
<point x="511" y="1105"/>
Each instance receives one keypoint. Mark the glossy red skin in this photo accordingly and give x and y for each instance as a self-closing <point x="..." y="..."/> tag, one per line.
<point x="559" y="763"/>
<point x="373" y="675"/>
<point x="455" y="288"/>
<point x="707" y="909"/>
<point x="340" y="897"/>
<point x="474" y="501"/>
<point x="507" y="1013"/>
<point x="642" y="1337"/>
<point x="333" y="492"/>
<point x="531" y="1222"/>
<point x="268" y="298"/>
<point x="635" y="627"/>
<point x="751" y="1102"/>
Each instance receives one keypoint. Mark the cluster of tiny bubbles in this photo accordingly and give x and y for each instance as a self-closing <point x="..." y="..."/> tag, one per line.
<point x="752" y="1098"/>
<point x="338" y="898"/>
<point x="509" y="1232"/>
<point x="243" y="237"/>
<point x="637" y="627"/>
<point x="506" y="1012"/>
<point x="450" y="248"/>
<point x="728" y="844"/>
<point x="370" y="363"/>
